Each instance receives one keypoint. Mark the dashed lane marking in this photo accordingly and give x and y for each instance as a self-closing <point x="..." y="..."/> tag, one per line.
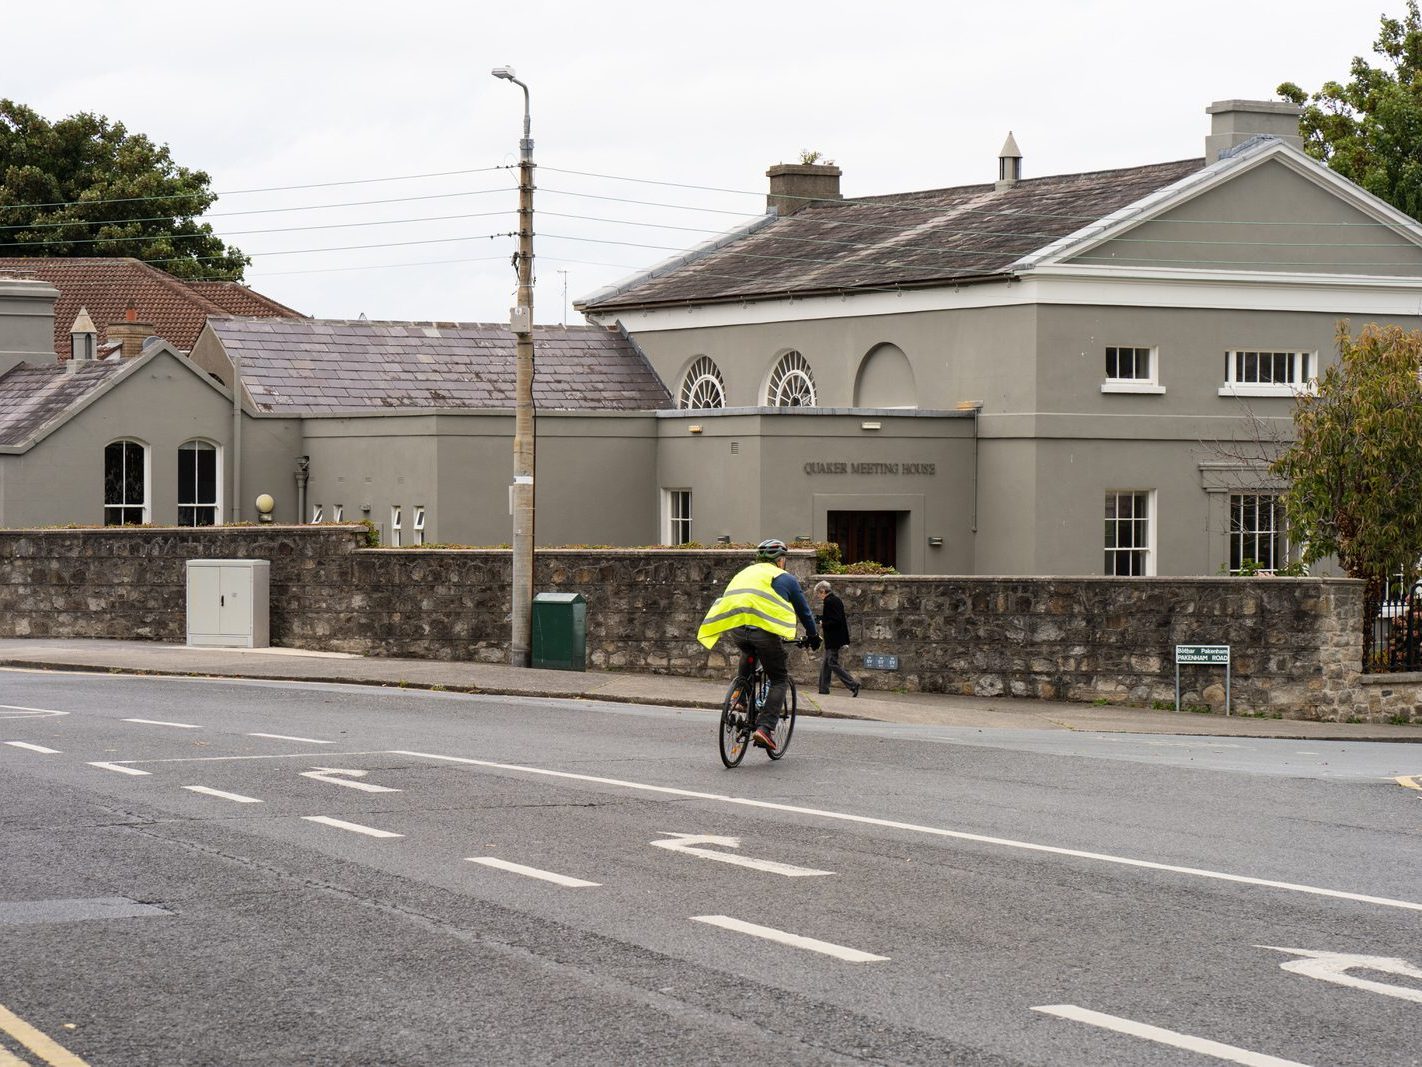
<point x="354" y="827"/>
<point x="237" y="797"/>
<point x="119" y="767"/>
<point x="827" y="948"/>
<point x="936" y="831"/>
<point x="1202" y="1045"/>
<point x="159" y="722"/>
<point x="533" y="872"/>
<point x="285" y="737"/>
<point x="33" y="748"/>
<point x="41" y="1044"/>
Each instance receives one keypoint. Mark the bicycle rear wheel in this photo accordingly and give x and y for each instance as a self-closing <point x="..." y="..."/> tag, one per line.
<point x="785" y="726"/>
<point x="735" y="728"/>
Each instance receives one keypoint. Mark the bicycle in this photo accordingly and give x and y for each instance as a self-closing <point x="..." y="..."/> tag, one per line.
<point x="738" y="714"/>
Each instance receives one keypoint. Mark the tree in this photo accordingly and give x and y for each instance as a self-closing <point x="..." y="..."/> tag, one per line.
<point x="1370" y="130"/>
<point x="85" y="186"/>
<point x="1355" y="485"/>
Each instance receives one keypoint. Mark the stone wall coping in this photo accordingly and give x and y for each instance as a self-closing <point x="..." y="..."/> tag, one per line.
<point x="619" y="553"/>
<point x="197" y="531"/>
<point x="1080" y="579"/>
<point x="1398" y="678"/>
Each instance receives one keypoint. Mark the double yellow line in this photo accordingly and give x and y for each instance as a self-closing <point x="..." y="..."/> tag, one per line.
<point x="49" y="1051"/>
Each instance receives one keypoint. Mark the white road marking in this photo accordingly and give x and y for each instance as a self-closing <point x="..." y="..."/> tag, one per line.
<point x="238" y="797"/>
<point x="119" y="767"/>
<point x="687" y="842"/>
<point x="284" y="737"/>
<point x="156" y="722"/>
<point x="1202" y="1045"/>
<point x="936" y="831"/>
<point x="532" y="872"/>
<point x="355" y="827"/>
<point x="326" y="774"/>
<point x="1409" y="781"/>
<point x="33" y="748"/>
<point x="1334" y="967"/>
<point x="28" y="713"/>
<point x="850" y="955"/>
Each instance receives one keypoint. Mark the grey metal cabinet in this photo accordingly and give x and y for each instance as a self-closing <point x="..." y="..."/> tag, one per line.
<point x="229" y="603"/>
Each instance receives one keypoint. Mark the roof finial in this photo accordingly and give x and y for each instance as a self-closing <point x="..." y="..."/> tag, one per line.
<point x="1009" y="163"/>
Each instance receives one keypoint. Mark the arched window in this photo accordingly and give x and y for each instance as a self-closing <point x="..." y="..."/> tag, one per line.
<point x="885" y="380"/>
<point x="197" y="484"/>
<point x="703" y="386"/>
<point x="791" y="383"/>
<point x="125" y="483"/>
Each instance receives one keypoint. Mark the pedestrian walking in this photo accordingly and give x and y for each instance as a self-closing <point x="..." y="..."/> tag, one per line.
<point x="835" y="628"/>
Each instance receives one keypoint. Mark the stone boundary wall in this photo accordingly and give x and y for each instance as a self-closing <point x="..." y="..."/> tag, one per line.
<point x="1296" y="642"/>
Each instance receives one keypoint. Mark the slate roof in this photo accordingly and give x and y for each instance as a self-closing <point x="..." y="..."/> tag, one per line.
<point x="31" y="396"/>
<point x="905" y="240"/>
<point x="320" y="366"/>
<point x="177" y="309"/>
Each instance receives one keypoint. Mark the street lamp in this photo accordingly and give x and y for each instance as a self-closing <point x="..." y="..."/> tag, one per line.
<point x="521" y="323"/>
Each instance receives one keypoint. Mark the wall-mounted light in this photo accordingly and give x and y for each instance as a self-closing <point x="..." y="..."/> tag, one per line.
<point x="871" y="426"/>
<point x="693" y="429"/>
<point x="969" y="405"/>
<point x="935" y="542"/>
<point x="724" y="539"/>
<point x="802" y="537"/>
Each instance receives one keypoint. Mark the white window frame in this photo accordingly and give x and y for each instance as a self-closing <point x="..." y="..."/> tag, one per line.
<point x="419" y="524"/>
<point x="703" y="377"/>
<point x="1152" y="523"/>
<point x="317" y="514"/>
<point x="1148" y="384"/>
<point x="671" y="519"/>
<point x="1279" y="531"/>
<point x="790" y="378"/>
<point x="339" y="515"/>
<point x="1302" y="368"/>
<point x="396" y="525"/>
<point x="147" y="502"/>
<point x="216" y="505"/>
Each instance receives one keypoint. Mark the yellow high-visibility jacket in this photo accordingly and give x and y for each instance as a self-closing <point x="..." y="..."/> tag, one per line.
<point x="749" y="600"/>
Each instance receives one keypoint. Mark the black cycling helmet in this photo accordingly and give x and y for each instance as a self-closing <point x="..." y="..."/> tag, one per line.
<point x="770" y="550"/>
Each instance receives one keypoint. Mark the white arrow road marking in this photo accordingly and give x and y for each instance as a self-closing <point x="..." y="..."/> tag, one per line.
<point x="119" y="767"/>
<point x="285" y="737"/>
<point x="1334" y="967"/>
<point x="324" y="774"/>
<point x="840" y="952"/>
<point x="238" y="797"/>
<point x="532" y="872"/>
<point x="33" y="748"/>
<point x="1410" y="781"/>
<point x="687" y="843"/>
<point x="27" y="713"/>
<point x="156" y="722"/>
<point x="1204" y="1046"/>
<point x="354" y="827"/>
<point x="918" y="828"/>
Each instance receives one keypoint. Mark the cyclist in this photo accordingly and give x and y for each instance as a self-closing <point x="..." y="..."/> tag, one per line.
<point x="758" y="610"/>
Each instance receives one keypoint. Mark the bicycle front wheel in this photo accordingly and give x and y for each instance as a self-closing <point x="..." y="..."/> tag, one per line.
<point x="735" y="729"/>
<point x="785" y="725"/>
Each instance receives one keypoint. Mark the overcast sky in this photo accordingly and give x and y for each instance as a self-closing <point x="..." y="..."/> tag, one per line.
<point x="643" y="113"/>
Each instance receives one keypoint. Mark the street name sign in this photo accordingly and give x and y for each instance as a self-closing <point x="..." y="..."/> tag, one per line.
<point x="1210" y="655"/>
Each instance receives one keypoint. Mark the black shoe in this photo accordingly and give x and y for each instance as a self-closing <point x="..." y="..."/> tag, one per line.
<point x="824" y="692"/>
<point x="855" y="691"/>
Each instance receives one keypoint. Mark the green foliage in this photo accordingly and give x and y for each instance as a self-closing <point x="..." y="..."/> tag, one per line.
<point x="1355" y="486"/>
<point x="85" y="186"/>
<point x="1368" y="129"/>
<point x="372" y="533"/>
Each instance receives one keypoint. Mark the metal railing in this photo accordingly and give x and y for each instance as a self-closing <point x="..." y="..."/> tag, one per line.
<point x="1394" y="642"/>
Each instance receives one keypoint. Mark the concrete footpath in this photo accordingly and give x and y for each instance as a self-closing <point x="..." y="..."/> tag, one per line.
<point x="286" y="664"/>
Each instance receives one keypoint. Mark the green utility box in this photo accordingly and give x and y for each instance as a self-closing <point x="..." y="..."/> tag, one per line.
<point x="560" y="631"/>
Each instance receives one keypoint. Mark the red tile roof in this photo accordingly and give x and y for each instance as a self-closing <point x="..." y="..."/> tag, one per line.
<point x="177" y="309"/>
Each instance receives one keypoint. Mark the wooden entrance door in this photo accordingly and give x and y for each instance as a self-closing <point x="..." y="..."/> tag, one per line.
<point x="866" y="535"/>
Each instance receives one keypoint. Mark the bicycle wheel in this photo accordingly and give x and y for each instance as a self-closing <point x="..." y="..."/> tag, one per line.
<point x="785" y="726"/>
<point x="735" y="728"/>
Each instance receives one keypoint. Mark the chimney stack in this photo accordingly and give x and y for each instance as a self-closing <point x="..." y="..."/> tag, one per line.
<point x="83" y="341"/>
<point x="800" y="185"/>
<point x="131" y="332"/>
<point x="1009" y="164"/>
<point x="1235" y="121"/>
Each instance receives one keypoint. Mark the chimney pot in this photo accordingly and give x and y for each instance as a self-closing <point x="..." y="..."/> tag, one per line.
<point x="795" y="186"/>
<point x="130" y="332"/>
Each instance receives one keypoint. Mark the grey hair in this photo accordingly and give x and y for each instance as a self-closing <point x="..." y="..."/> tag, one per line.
<point x="821" y="587"/>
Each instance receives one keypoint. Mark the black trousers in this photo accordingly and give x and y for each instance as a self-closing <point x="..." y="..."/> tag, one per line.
<point x="770" y="650"/>
<point x="831" y="663"/>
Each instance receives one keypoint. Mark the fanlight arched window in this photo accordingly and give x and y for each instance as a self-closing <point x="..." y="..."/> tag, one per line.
<point x="792" y="385"/>
<point x="703" y="386"/>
